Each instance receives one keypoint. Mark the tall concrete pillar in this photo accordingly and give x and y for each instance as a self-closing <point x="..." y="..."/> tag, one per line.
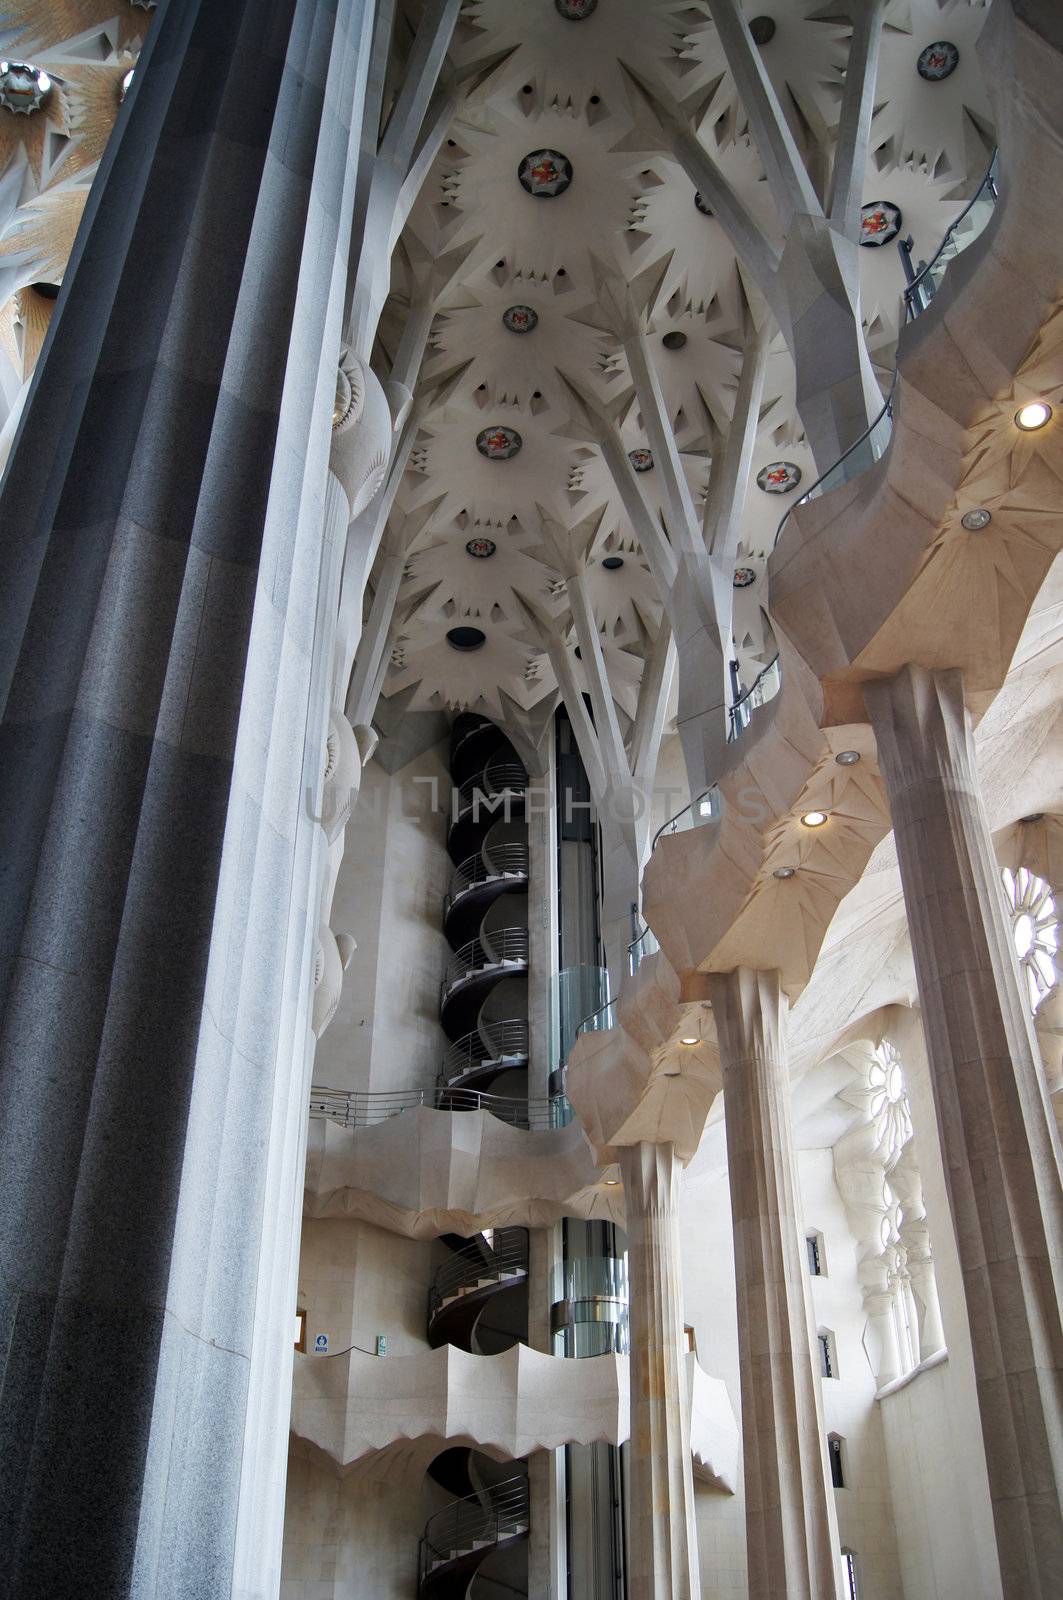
<point x="791" y="1535"/>
<point x="1000" y="1146"/>
<point x="662" y="1537"/>
<point x="164" y="585"/>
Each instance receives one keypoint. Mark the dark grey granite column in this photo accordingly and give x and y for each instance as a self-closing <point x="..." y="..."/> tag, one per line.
<point x="998" y="1139"/>
<point x="133" y="600"/>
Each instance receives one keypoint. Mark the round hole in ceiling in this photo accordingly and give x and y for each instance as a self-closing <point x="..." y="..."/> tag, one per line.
<point x="641" y="460"/>
<point x="762" y="29"/>
<point x="575" y="10"/>
<point x="481" y="548"/>
<point x="612" y="563"/>
<point x="674" y="340"/>
<point x="466" y="638"/>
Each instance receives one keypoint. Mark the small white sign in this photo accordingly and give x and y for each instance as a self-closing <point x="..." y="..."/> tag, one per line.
<point x="321" y="1344"/>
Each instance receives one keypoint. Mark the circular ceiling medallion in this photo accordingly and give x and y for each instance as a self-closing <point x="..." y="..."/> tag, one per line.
<point x="762" y="29"/>
<point x="466" y="638"/>
<point x="499" y="443"/>
<point x="743" y="577"/>
<point x="779" y="477"/>
<point x="612" y="563"/>
<point x="22" y="86"/>
<point x="702" y="205"/>
<point x="545" y="173"/>
<point x="482" y="548"/>
<point x="938" y="61"/>
<point x="879" y="222"/>
<point x="641" y="460"/>
<point x="674" y="340"/>
<point x="575" y="10"/>
<point x="520" y="319"/>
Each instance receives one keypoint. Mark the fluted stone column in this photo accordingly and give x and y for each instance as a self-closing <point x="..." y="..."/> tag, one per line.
<point x="164" y="585"/>
<point x="999" y="1144"/>
<point x="662" y="1537"/>
<point x="790" y="1525"/>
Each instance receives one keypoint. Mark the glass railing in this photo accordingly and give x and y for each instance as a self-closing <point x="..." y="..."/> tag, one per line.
<point x="765" y="686"/>
<point x="924" y="281"/>
<point x="575" y="993"/>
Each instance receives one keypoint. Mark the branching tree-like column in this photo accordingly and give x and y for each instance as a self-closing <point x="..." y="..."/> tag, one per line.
<point x="662" y="1536"/>
<point x="998" y="1139"/>
<point x="790" y="1525"/>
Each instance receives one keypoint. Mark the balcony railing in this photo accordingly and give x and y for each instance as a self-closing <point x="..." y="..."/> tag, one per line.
<point x="599" y="1021"/>
<point x="646" y="944"/>
<point x="496" y="1513"/>
<point x="925" y="281"/>
<point x="358" y="1109"/>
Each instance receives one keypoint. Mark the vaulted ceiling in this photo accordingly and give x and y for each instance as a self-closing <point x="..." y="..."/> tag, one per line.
<point x="517" y="334"/>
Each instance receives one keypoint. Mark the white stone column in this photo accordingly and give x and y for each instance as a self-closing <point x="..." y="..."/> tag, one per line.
<point x="791" y="1535"/>
<point x="662" y="1538"/>
<point x="1000" y="1147"/>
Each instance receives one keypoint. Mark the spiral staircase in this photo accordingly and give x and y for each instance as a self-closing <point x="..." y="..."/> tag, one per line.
<point x="483" y="1011"/>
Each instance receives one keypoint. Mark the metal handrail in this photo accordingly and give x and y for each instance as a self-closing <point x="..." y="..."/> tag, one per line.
<point x="493" y="1042"/>
<point x="355" y="1108"/>
<point x="509" y="947"/>
<point x="639" y="949"/>
<point x="508" y="860"/>
<point x="738" y="718"/>
<point x="708" y="807"/>
<point x="498" y="1511"/>
<point x="591" y="1024"/>
<point x="480" y="791"/>
<point x="916" y="295"/>
<point x="472" y="1266"/>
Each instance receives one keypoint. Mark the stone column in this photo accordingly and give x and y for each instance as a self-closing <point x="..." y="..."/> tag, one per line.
<point x="163" y="579"/>
<point x="999" y="1145"/>
<point x="791" y="1536"/>
<point x="661" y="1536"/>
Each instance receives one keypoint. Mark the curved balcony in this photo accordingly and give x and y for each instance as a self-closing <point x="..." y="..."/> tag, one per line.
<point x="473" y="971"/>
<point x="355" y="1109"/>
<point x="459" y="1538"/>
<point x="479" y="1057"/>
<point x="475" y="1274"/>
<point x="479" y="881"/>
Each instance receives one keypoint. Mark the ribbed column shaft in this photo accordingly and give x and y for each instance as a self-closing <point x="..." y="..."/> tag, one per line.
<point x="161" y="563"/>
<point x="790" y="1534"/>
<point x="662" y="1538"/>
<point x="998" y="1138"/>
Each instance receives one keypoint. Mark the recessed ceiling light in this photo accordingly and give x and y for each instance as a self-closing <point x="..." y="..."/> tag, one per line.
<point x="814" y="819"/>
<point x="847" y="758"/>
<point x="690" y="1041"/>
<point x="1033" y="416"/>
<point x="976" y="519"/>
<point x="785" y="872"/>
<point x="612" y="1182"/>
